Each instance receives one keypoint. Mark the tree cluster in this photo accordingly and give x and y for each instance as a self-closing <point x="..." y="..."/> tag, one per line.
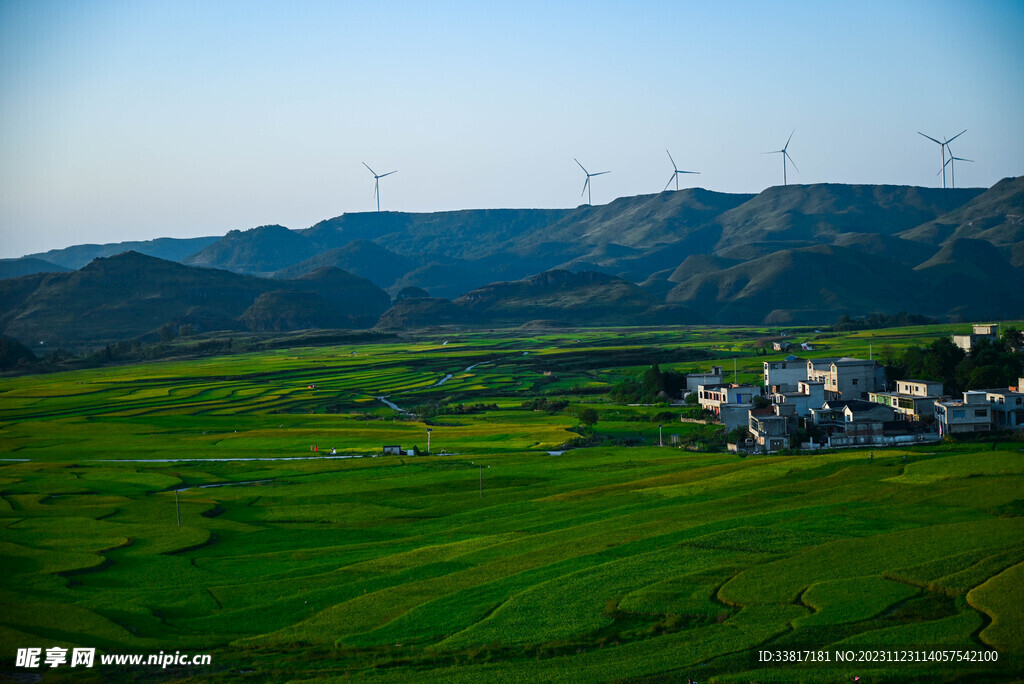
<point x="989" y="365"/>
<point x="653" y="385"/>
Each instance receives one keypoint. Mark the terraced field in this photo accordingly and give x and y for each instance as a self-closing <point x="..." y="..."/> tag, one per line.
<point x="495" y="560"/>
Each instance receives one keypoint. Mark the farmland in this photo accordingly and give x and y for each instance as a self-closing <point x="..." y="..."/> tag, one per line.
<point x="496" y="556"/>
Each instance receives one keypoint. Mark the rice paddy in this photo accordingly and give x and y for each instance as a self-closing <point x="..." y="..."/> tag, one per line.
<point x="490" y="558"/>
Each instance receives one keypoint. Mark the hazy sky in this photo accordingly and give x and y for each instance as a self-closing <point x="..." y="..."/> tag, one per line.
<point x="133" y="120"/>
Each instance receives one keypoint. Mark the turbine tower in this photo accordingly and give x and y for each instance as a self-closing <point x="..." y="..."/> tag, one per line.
<point x="785" y="156"/>
<point x="943" y="145"/>
<point x="586" y="183"/>
<point x="675" y="172"/>
<point x="376" y="183"/>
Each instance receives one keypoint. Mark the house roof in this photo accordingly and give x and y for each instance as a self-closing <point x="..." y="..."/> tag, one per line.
<point x="855" y="405"/>
<point x="849" y="361"/>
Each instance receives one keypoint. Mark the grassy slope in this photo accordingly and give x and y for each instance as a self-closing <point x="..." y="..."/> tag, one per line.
<point x="597" y="564"/>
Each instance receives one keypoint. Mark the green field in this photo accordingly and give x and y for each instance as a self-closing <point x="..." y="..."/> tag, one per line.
<point x="597" y="564"/>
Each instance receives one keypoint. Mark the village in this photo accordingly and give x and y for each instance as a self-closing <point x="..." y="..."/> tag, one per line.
<point x="824" y="403"/>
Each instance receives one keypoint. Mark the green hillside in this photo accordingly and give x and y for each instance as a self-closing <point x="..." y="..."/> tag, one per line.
<point x="582" y="298"/>
<point x="997" y="216"/>
<point x="821" y="212"/>
<point x="498" y="557"/>
<point x="803" y="286"/>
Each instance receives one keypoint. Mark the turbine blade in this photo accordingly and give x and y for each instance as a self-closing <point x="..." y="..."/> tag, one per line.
<point x="697" y="172"/>
<point x="371" y="170"/>
<point x="672" y="160"/>
<point x="791" y="161"/>
<point x="387" y="174"/>
<point x="773" y="152"/>
<point x="599" y="173"/>
<point x="788" y="139"/>
<point x="585" y="183"/>
<point x="956" y="136"/>
<point x="669" y="182"/>
<point x="580" y="165"/>
<point x="930" y="138"/>
<point x="962" y="159"/>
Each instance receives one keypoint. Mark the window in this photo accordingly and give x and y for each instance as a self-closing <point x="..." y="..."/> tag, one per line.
<point x="980" y="413"/>
<point x="958" y="413"/>
<point x="855" y="381"/>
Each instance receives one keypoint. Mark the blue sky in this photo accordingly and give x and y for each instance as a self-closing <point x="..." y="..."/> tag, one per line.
<point x="134" y="120"/>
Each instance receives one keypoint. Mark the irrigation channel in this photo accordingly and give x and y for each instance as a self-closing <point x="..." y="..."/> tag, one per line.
<point x="446" y="378"/>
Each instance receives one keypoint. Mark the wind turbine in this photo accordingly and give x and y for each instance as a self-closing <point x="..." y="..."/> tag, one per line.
<point x="952" y="166"/>
<point x="376" y="183"/>
<point x="943" y="145"/>
<point x="785" y="155"/>
<point x="586" y="183"/>
<point x="675" y="172"/>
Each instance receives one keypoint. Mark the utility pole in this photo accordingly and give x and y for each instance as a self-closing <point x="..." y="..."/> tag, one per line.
<point x="660" y="442"/>
<point x="428" y="441"/>
<point x="177" y="506"/>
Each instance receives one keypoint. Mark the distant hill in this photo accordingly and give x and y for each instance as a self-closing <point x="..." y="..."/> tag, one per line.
<point x="260" y="251"/>
<point x="447" y="280"/>
<point x="361" y="257"/>
<point x="641" y="222"/>
<point x="14" y="268"/>
<point x="807" y="285"/>
<point x="169" y="249"/>
<point x="996" y="216"/>
<point x="905" y="251"/>
<point x="714" y="256"/>
<point x="132" y="295"/>
<point x="973" y="279"/>
<point x="819" y="213"/>
<point x="581" y="298"/>
<point x="13" y="354"/>
<point x="468" y="234"/>
<point x="696" y="264"/>
<point x="425" y="313"/>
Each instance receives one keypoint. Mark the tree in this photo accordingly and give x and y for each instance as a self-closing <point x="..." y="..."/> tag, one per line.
<point x="587" y="416"/>
<point x="1013" y="339"/>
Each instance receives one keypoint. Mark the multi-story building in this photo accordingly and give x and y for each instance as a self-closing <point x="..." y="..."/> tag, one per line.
<point x="808" y="395"/>
<point x="973" y="414"/>
<point x="912" y="400"/>
<point x="695" y="380"/>
<point x="769" y="430"/>
<point x="1007" y="406"/>
<point x="987" y="331"/>
<point x="712" y="397"/>
<point x="846" y="377"/>
<point x="783" y="376"/>
<point x="851" y="422"/>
